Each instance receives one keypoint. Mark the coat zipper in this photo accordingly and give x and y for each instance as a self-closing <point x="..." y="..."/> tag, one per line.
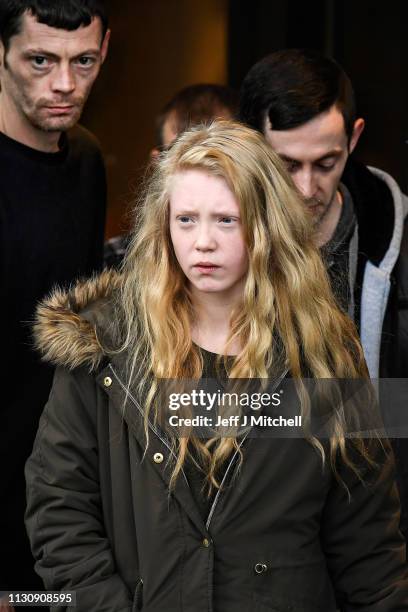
<point x="210" y="515"/>
<point x="138" y="598"/>
<point x="216" y="499"/>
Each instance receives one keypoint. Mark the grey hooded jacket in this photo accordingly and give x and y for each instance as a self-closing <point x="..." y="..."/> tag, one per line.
<point x="379" y="254"/>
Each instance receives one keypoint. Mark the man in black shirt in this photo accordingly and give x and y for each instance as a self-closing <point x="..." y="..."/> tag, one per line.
<point x="52" y="215"/>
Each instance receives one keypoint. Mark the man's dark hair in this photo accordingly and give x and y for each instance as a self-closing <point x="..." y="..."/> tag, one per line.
<point x="293" y="86"/>
<point x="64" y="14"/>
<point x="197" y="104"/>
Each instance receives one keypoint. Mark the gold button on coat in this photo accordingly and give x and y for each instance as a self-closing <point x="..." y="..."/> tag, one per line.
<point x="206" y="542"/>
<point x="107" y="381"/>
<point x="158" y="457"/>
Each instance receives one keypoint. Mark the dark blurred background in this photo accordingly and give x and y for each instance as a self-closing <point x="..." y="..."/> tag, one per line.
<point x="160" y="46"/>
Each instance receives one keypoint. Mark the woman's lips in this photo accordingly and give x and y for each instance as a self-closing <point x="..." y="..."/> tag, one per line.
<point x="206" y="268"/>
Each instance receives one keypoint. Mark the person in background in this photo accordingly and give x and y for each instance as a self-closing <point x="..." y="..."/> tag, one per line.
<point x="52" y="211"/>
<point x="303" y="103"/>
<point x="193" y="105"/>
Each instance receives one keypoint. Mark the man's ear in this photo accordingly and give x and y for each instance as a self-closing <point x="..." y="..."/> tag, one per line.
<point x="105" y="45"/>
<point x="2" y="51"/>
<point x="358" y="128"/>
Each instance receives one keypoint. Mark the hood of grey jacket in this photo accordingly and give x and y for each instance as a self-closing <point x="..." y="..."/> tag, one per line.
<point x="377" y="280"/>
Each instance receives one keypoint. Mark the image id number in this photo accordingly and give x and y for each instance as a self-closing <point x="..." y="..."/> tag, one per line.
<point x="41" y="598"/>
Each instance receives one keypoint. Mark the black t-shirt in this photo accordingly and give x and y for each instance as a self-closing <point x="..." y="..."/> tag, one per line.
<point x="336" y="252"/>
<point x="52" y="216"/>
<point x="196" y="476"/>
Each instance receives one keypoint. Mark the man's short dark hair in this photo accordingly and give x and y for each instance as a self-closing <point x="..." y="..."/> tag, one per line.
<point x="64" y="14"/>
<point x="293" y="86"/>
<point x="197" y="104"/>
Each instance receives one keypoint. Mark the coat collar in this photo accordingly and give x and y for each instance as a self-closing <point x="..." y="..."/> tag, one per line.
<point x="72" y="327"/>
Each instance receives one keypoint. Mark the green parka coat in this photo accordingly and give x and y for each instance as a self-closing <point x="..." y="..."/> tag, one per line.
<point x="284" y="536"/>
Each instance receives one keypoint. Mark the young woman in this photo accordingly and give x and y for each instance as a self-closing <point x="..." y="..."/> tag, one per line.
<point x="222" y="279"/>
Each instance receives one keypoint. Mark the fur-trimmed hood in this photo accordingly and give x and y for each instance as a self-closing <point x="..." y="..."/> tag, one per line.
<point x="70" y="324"/>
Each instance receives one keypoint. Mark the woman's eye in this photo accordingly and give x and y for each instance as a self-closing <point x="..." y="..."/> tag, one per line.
<point x="227" y="220"/>
<point x="184" y="219"/>
<point x="291" y="166"/>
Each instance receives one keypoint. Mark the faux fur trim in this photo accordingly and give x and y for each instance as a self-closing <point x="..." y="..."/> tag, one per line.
<point x="65" y="328"/>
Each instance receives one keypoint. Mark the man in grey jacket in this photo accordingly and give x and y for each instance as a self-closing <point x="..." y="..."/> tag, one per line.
<point x="304" y="104"/>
